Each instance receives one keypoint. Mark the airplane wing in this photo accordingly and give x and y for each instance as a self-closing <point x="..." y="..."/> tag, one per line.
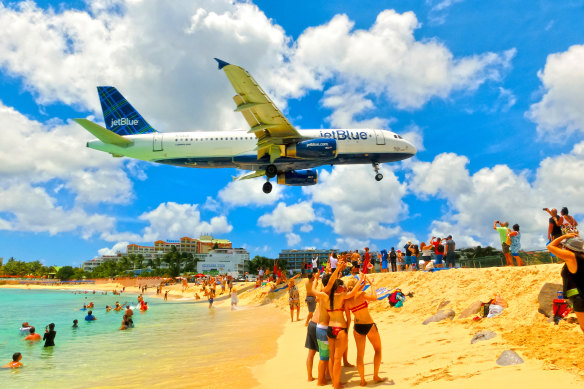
<point x="266" y="121"/>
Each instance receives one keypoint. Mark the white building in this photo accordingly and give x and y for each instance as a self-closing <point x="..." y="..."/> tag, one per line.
<point x="222" y="261"/>
<point x="95" y="262"/>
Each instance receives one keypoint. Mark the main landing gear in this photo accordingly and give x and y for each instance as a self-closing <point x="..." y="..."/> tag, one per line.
<point x="378" y="176"/>
<point x="271" y="171"/>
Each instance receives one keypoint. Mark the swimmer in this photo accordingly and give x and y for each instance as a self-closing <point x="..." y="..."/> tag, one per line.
<point x="33" y="337"/>
<point x="90" y="305"/>
<point x="143" y="306"/>
<point x="84" y="308"/>
<point x="129" y="313"/>
<point x="90" y="316"/>
<point x="25" y="328"/>
<point x="211" y="297"/>
<point x="108" y="308"/>
<point x="49" y="336"/>
<point x="16" y="357"/>
<point x="75" y="323"/>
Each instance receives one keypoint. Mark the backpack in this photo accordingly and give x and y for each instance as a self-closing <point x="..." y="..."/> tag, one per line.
<point x="392" y="256"/>
<point x="440" y="248"/>
<point x="394" y="298"/>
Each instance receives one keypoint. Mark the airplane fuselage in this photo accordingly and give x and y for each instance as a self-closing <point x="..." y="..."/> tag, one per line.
<point x="237" y="149"/>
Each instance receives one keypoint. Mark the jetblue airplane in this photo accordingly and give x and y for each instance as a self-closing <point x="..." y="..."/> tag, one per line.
<point x="272" y="147"/>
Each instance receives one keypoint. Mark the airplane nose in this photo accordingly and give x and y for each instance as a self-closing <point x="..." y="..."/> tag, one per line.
<point x="410" y="148"/>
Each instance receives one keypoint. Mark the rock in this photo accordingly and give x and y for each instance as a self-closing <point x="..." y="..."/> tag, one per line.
<point x="441" y="315"/>
<point x="483" y="335"/>
<point x="508" y="358"/>
<point x="472" y="310"/>
<point x="546" y="297"/>
<point x="443" y="303"/>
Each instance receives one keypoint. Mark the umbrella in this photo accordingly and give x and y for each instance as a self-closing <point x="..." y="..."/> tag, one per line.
<point x="199" y="275"/>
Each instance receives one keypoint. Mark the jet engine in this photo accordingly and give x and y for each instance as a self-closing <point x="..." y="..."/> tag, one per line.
<point x="298" y="178"/>
<point x="322" y="148"/>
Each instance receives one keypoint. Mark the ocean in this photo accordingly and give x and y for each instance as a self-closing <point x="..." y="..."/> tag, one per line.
<point x="182" y="344"/>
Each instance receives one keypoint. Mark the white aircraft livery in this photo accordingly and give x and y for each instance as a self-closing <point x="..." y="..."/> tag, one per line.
<point x="272" y="147"/>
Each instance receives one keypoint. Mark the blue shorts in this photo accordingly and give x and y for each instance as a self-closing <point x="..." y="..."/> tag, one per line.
<point x="439" y="259"/>
<point x="515" y="254"/>
<point x="408" y="260"/>
<point x="323" y="347"/>
<point x="384" y="264"/>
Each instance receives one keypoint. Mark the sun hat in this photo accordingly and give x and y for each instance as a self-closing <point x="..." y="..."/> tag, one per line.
<point x="574" y="244"/>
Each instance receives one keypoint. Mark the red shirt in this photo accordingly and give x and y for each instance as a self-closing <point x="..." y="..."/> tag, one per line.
<point x="436" y="244"/>
<point x="366" y="261"/>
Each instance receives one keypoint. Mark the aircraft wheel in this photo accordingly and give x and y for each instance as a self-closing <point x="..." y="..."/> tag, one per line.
<point x="379" y="176"/>
<point x="267" y="188"/>
<point x="271" y="171"/>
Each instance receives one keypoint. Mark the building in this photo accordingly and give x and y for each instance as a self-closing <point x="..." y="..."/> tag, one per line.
<point x="296" y="257"/>
<point x="223" y="261"/>
<point x="95" y="262"/>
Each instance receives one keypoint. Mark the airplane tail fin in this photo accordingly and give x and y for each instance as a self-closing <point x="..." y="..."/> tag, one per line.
<point x="119" y="115"/>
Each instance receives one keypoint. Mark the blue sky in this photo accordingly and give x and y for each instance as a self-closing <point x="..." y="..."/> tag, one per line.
<point x="492" y="95"/>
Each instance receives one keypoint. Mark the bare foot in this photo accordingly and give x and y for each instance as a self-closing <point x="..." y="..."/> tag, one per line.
<point x="363" y="383"/>
<point x="379" y="379"/>
<point x="347" y="364"/>
<point x="310" y="379"/>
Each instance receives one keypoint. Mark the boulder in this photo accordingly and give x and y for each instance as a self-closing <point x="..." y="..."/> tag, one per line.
<point x="508" y="358"/>
<point x="471" y="310"/>
<point x="546" y="297"/>
<point x="441" y="315"/>
<point x="483" y="335"/>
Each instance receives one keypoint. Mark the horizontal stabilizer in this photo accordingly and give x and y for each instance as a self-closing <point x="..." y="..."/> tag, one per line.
<point x="103" y="134"/>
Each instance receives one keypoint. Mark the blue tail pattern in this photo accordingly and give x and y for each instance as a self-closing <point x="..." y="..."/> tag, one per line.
<point x="119" y="115"/>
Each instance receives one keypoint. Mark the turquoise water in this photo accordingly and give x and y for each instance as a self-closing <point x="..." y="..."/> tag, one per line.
<point x="171" y="344"/>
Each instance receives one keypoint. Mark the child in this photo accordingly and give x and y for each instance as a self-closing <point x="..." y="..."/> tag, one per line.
<point x="16" y="357"/>
<point x="234" y="298"/>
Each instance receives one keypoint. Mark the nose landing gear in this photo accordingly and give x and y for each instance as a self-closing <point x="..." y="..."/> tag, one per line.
<point x="378" y="176"/>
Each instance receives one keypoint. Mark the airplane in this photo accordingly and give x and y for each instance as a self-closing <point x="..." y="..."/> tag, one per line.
<point x="272" y="147"/>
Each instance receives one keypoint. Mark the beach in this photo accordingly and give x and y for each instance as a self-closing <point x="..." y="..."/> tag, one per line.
<point x="440" y="355"/>
<point x="263" y="349"/>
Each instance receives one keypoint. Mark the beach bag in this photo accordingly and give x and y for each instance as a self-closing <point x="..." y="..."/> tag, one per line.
<point x="395" y="298"/>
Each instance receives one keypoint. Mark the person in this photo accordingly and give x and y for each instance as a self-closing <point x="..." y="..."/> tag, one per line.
<point x="16" y="358"/>
<point x="570" y="248"/>
<point x="33" y="336"/>
<point x="384" y="267"/>
<point x="90" y="316"/>
<point x="311" y="342"/>
<point x="211" y="297"/>
<point x="129" y="311"/>
<point x="400" y="261"/>
<point x="426" y="253"/>
<point x="414" y="253"/>
<point x="125" y="323"/>
<point x="294" y="298"/>
<point x="49" y="336"/>
<point x="108" y="308"/>
<point x="365" y="328"/>
<point x="234" y="298"/>
<point x="165" y="295"/>
<point x="310" y="299"/>
<point x="555" y="224"/>
<point x="75" y="322"/>
<point x="25" y="328"/>
<point x="261" y="274"/>
<point x="143" y="306"/>
<point x="408" y="255"/>
<point x="323" y="321"/>
<point x="393" y="260"/>
<point x="570" y="225"/>
<point x="333" y="261"/>
<point x="515" y="246"/>
<point x="503" y="230"/>
<point x="449" y="252"/>
<point x="438" y="250"/>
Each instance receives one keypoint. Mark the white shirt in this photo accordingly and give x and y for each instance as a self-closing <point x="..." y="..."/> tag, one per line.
<point x="315" y="262"/>
<point x="261" y="272"/>
<point x="333" y="262"/>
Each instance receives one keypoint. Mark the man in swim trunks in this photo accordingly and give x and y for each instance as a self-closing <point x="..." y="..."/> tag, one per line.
<point x="294" y="298"/>
<point x="311" y="342"/>
<point x="310" y="298"/>
<point x="16" y="357"/>
<point x="90" y="316"/>
<point x="33" y="336"/>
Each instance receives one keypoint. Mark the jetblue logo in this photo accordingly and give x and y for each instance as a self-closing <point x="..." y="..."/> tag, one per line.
<point x="124" y="122"/>
<point x="342" y="135"/>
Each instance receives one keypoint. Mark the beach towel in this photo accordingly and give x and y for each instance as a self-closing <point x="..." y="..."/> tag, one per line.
<point x="283" y="287"/>
<point x="382" y="293"/>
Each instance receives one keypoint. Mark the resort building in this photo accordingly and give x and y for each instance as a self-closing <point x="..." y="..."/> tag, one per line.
<point x="95" y="262"/>
<point x="203" y="245"/>
<point x="224" y="261"/>
<point x="296" y="257"/>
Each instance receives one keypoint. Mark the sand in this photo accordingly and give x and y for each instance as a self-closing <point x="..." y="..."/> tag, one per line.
<point x="440" y="355"/>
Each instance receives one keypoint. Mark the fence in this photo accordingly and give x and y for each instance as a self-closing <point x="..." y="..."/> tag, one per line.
<point x="529" y="258"/>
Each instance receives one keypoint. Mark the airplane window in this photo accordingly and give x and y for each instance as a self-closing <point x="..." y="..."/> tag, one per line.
<point x="395" y="136"/>
<point x="231" y="138"/>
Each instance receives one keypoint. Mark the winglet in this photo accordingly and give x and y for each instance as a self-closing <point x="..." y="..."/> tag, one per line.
<point x="221" y="63"/>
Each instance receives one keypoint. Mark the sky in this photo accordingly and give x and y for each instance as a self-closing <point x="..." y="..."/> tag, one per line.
<point x="491" y="93"/>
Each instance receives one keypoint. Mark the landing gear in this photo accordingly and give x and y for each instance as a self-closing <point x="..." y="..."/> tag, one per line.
<point x="267" y="188"/>
<point x="378" y="176"/>
<point x="271" y="171"/>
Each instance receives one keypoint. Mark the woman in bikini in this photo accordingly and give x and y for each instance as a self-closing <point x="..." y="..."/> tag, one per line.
<point x="364" y="328"/>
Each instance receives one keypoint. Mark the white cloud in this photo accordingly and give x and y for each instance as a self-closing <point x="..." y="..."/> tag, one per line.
<point x="306" y="228"/>
<point x="171" y="220"/>
<point x="562" y="105"/>
<point x="292" y="239"/>
<point x="249" y="192"/>
<point x="283" y="218"/>
<point x="499" y="193"/>
<point x="362" y="207"/>
<point x="120" y="247"/>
